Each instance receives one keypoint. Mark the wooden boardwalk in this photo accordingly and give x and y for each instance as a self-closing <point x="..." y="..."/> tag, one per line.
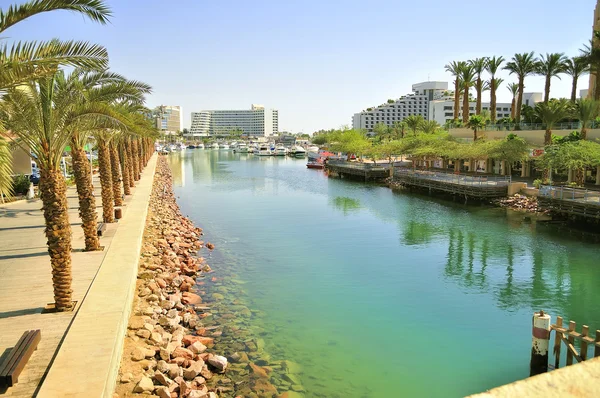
<point x="480" y="187"/>
<point x="364" y="171"/>
<point x="571" y="201"/>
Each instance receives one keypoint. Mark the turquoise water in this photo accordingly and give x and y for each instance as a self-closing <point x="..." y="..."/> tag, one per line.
<point x="382" y="294"/>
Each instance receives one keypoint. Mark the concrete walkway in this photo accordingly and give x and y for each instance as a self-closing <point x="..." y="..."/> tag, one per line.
<point x="26" y="282"/>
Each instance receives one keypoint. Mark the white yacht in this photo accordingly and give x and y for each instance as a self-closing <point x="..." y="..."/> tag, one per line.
<point x="215" y="145"/>
<point x="298" y="151"/>
<point x="264" y="150"/>
<point x="223" y="145"/>
<point x="182" y="146"/>
<point x="200" y="146"/>
<point x="280" y="150"/>
<point x="253" y="148"/>
<point x="241" y="148"/>
<point x="172" y="148"/>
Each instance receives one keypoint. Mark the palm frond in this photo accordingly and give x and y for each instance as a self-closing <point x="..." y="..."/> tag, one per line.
<point x="6" y="186"/>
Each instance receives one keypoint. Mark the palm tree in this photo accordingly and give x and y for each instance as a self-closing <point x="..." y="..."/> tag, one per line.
<point x="586" y="111"/>
<point x="25" y="61"/>
<point x="492" y="67"/>
<point x="591" y="54"/>
<point x="399" y="128"/>
<point x="103" y="138"/>
<point x="467" y="77"/>
<point x="549" y="66"/>
<point x="125" y="166"/>
<point x="478" y="65"/>
<point x="476" y="123"/>
<point x="455" y="69"/>
<point x="514" y="90"/>
<point x="430" y="126"/>
<point x="6" y="188"/>
<point x="575" y="67"/>
<point x="414" y="122"/>
<point x="551" y="113"/>
<point x="522" y="65"/>
<point x="40" y="120"/>
<point x="115" y="167"/>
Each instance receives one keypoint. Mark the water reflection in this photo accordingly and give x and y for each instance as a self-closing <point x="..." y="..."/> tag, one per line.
<point x="345" y="204"/>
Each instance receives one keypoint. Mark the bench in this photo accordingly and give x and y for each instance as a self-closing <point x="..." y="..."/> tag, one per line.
<point x="101" y="228"/>
<point x="12" y="366"/>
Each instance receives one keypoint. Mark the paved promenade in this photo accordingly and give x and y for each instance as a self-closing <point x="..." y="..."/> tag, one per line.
<point x="26" y="284"/>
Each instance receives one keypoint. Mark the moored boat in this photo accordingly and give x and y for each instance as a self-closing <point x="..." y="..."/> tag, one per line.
<point x="297" y="151"/>
<point x="241" y="148"/>
<point x="314" y="165"/>
<point x="264" y="150"/>
<point x="215" y="146"/>
<point x="280" y="150"/>
<point x="200" y="146"/>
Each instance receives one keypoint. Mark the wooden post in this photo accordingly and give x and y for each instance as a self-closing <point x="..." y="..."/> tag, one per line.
<point x="584" y="344"/>
<point x="557" y="342"/>
<point x="571" y="341"/>
<point x="523" y="169"/>
<point x="539" y="343"/>
<point x="598" y="175"/>
<point x="596" y="348"/>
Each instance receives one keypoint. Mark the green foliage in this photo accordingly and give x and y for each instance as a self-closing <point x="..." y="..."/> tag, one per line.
<point x="390" y="101"/>
<point x="571" y="155"/>
<point x="573" y="136"/>
<point x="20" y="184"/>
<point x="349" y="141"/>
<point x="553" y="112"/>
<point x="6" y="188"/>
<point x="414" y="123"/>
<point x="537" y="183"/>
<point x="476" y="123"/>
<point x="320" y="139"/>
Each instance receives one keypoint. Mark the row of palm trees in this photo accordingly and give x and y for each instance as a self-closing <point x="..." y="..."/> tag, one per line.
<point x="44" y="109"/>
<point x="468" y="74"/>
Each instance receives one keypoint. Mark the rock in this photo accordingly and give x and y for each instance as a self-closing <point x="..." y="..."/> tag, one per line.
<point x="197" y="394"/>
<point x="207" y="374"/>
<point x="163" y="392"/>
<point x="138" y="354"/>
<point x="191" y="298"/>
<point x="184" y="388"/>
<point x="197" y="347"/>
<point x="145" y="385"/>
<point x="219" y="362"/>
<point x="189" y="339"/>
<point x="258" y="371"/>
<point x="194" y="370"/>
<point x="162" y="366"/>
<point x="162" y="379"/>
<point x="126" y="377"/>
<point x="182" y="352"/>
<point x="199" y="380"/>
<point x="150" y="353"/>
<point x="292" y="379"/>
<point x="156" y="338"/>
<point x="174" y="370"/>
<point x="144" y="292"/>
<point x="143" y="333"/>
<point x="136" y="322"/>
<point x="298" y="388"/>
<point x="291" y="367"/>
<point x="291" y="394"/>
<point x="149" y="327"/>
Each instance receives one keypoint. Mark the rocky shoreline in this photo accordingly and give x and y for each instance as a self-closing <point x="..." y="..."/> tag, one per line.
<point x="182" y="342"/>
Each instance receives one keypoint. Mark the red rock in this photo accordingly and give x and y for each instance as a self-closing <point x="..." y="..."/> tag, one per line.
<point x="185" y="287"/>
<point x="258" y="371"/>
<point x="191" y="298"/>
<point x="182" y="352"/>
<point x="189" y="339"/>
<point x="160" y="282"/>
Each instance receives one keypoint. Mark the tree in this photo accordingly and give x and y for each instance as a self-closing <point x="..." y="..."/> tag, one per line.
<point x="575" y="67"/>
<point x="586" y="110"/>
<point x="514" y="90"/>
<point x="575" y="155"/>
<point x="549" y="66"/>
<point x="522" y="65"/>
<point x="476" y="123"/>
<point x="467" y="77"/>
<point x="6" y="188"/>
<point x="492" y="67"/>
<point x="382" y="131"/>
<point x="455" y="69"/>
<point x="399" y="127"/>
<point x="551" y="113"/>
<point x="591" y="54"/>
<point x="25" y="61"/>
<point x="430" y="126"/>
<point x="320" y="139"/>
<point x="414" y="122"/>
<point x="478" y="65"/>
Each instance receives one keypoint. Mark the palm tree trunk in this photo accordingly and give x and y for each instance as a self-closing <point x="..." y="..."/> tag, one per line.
<point x="548" y="137"/>
<point x="474" y="135"/>
<point x="106" y="182"/>
<point x="141" y="155"/>
<point x="583" y="132"/>
<point x="598" y="175"/>
<point x="125" y="167"/>
<point x="116" y="175"/>
<point x="53" y="190"/>
<point x="465" y="110"/>
<point x="547" y="90"/>
<point x="130" y="163"/>
<point x="519" y="100"/>
<point x="513" y="105"/>
<point x="574" y="89"/>
<point x="456" y="99"/>
<point x="136" y="160"/>
<point x="580" y="177"/>
<point x="478" y="104"/>
<point x="85" y="192"/>
<point x="493" y="101"/>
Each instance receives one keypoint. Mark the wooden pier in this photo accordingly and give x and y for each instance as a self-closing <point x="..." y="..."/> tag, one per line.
<point x="570" y="201"/>
<point x="363" y="171"/>
<point x="469" y="186"/>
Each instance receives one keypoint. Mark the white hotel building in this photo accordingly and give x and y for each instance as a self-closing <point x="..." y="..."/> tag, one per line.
<point x="256" y="121"/>
<point x="433" y="101"/>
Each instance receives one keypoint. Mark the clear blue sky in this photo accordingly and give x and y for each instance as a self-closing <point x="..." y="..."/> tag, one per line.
<point x="318" y="62"/>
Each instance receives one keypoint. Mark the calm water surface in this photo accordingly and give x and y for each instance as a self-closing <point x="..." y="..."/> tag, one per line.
<point x="383" y="294"/>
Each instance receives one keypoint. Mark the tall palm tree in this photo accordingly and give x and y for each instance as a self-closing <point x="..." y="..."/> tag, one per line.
<point x="514" y="90"/>
<point x="478" y="65"/>
<point x="414" y="122"/>
<point x="551" y="113"/>
<point x="549" y="66"/>
<point x="115" y="167"/>
<point x="492" y="67"/>
<point x="455" y="69"/>
<point x="575" y="67"/>
<point x="40" y="120"/>
<point x="25" y="61"/>
<point x="522" y="65"/>
<point x="586" y="110"/>
<point x="467" y="77"/>
<point x="103" y="138"/>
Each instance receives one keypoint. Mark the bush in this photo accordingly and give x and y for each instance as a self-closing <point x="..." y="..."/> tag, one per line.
<point x="537" y="183"/>
<point x="20" y="184"/>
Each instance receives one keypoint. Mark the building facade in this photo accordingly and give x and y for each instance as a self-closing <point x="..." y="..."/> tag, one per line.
<point x="169" y="119"/>
<point x="432" y="101"/>
<point x="256" y="121"/>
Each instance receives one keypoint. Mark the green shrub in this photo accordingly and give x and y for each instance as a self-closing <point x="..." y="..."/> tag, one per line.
<point x="20" y="184"/>
<point x="537" y="183"/>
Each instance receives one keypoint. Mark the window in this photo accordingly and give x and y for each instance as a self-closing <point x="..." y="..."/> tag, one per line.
<point x="505" y="109"/>
<point x="471" y="108"/>
<point x="447" y="108"/>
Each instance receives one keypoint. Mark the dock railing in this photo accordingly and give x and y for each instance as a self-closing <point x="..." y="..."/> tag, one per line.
<point x="568" y="193"/>
<point x="359" y="165"/>
<point x="452" y="178"/>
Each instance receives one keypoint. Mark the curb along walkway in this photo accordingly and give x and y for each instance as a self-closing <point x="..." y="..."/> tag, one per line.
<point x="87" y="362"/>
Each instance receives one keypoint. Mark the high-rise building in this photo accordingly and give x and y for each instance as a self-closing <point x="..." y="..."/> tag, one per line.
<point x="169" y="119"/>
<point x="256" y="121"/>
<point x="595" y="44"/>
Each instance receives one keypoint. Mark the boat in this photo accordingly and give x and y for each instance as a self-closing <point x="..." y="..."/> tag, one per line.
<point x="191" y="146"/>
<point x="297" y="151"/>
<point x="241" y="148"/>
<point x="314" y="165"/>
<point x="313" y="152"/>
<point x="182" y="146"/>
<point x="215" y="146"/>
<point x="264" y="150"/>
<point x="200" y="146"/>
<point x="253" y="148"/>
<point x="280" y="150"/>
<point x="172" y="148"/>
<point x="223" y="145"/>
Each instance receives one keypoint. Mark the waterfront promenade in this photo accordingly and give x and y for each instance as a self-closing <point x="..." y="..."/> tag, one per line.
<point x="26" y="287"/>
